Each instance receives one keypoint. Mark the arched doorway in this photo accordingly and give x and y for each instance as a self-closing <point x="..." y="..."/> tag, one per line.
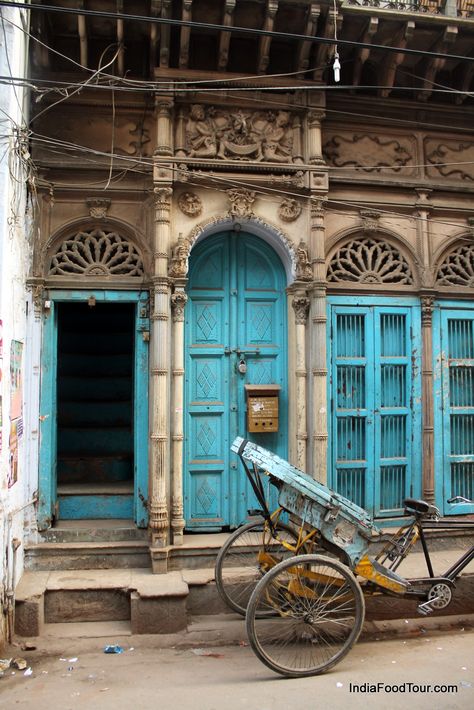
<point x="235" y="335"/>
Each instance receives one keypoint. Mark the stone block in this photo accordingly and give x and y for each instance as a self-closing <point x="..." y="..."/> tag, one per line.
<point x="157" y="615"/>
<point x="29" y="616"/>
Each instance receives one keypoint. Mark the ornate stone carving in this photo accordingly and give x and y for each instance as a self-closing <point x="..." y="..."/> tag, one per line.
<point x="163" y="197"/>
<point x="239" y="135"/>
<point x="98" y="207"/>
<point x="96" y="253"/>
<point x="457" y="268"/>
<point x="178" y="303"/>
<point x="369" y="261"/>
<point x="371" y="153"/>
<point x="370" y="220"/>
<point x="241" y="202"/>
<point x="304" y="272"/>
<point x="427" y="305"/>
<point x="301" y="307"/>
<point x="289" y="209"/>
<point x="179" y="260"/>
<point x="190" y="204"/>
<point x="450" y="159"/>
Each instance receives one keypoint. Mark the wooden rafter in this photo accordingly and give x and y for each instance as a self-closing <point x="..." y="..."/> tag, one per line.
<point x="324" y="51"/>
<point x="265" y="42"/>
<point x="466" y="76"/>
<point x="394" y="59"/>
<point x="154" y="34"/>
<point x="304" y="50"/>
<point x="363" y="54"/>
<point x="185" y="34"/>
<point x="224" y="38"/>
<point x="121" y="46"/>
<point x="82" y="31"/>
<point x="165" y="13"/>
<point x="435" y="64"/>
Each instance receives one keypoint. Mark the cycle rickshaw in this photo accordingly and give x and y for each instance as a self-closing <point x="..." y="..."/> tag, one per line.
<point x="302" y="587"/>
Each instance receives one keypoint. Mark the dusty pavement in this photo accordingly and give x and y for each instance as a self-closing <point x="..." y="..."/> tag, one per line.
<point x="231" y="678"/>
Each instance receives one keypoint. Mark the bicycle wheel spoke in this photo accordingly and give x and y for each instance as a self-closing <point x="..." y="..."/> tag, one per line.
<point x="319" y="613"/>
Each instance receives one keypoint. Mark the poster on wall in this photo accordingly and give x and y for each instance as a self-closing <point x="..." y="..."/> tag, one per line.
<point x="13" y="463"/>
<point x="16" y="380"/>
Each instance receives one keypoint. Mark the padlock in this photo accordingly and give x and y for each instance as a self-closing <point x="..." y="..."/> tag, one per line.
<point x="242" y="366"/>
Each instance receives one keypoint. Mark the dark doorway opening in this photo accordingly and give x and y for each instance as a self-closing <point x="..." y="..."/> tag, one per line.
<point x="95" y="394"/>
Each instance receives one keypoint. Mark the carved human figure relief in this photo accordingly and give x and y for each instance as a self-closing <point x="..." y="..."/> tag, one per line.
<point x="289" y="209"/>
<point x="190" y="204"/>
<point x="241" y="202"/>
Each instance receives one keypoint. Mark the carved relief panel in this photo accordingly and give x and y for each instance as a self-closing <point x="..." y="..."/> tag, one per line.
<point x="450" y="159"/>
<point x="244" y="135"/>
<point x="371" y="153"/>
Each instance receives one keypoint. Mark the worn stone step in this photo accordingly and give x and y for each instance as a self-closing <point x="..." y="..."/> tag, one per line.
<point x="87" y="555"/>
<point x="99" y="530"/>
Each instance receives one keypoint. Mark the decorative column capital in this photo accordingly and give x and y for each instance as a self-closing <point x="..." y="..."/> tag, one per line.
<point x="163" y="196"/>
<point x="315" y="116"/>
<point x="301" y="305"/>
<point x="178" y="303"/>
<point x="427" y="306"/>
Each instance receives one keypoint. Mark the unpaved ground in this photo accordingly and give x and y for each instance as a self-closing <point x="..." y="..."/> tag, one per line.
<point x="231" y="678"/>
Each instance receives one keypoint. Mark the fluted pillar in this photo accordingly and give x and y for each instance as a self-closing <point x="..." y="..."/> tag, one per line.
<point x="159" y="517"/>
<point x="178" y="303"/>
<point x="427" y="303"/>
<point x="319" y="355"/>
<point x="301" y="305"/>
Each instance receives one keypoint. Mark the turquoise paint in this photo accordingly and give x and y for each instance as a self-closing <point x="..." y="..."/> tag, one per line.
<point x="453" y="354"/>
<point x="374" y="392"/>
<point x="77" y="507"/>
<point x="236" y="301"/>
<point x="139" y="442"/>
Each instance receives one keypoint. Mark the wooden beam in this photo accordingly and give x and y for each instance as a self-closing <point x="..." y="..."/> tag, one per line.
<point x="265" y="42"/>
<point x="224" y="39"/>
<point x="165" y="13"/>
<point x="435" y="64"/>
<point x="185" y="34"/>
<point x="363" y="54"/>
<point x="304" y="49"/>
<point x="154" y="34"/>
<point x="394" y="59"/>
<point x="324" y="51"/>
<point x="467" y="73"/>
<point x="82" y="30"/>
<point x="121" y="49"/>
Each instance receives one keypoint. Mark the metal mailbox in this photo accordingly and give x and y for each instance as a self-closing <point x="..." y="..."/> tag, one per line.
<point x="262" y="407"/>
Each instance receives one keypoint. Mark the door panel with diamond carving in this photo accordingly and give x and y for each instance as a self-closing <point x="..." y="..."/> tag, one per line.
<point x="236" y="313"/>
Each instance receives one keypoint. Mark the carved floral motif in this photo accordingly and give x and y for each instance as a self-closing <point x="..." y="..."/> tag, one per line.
<point x="178" y="303"/>
<point x="241" y="202"/>
<point x="301" y="307"/>
<point x="289" y="209"/>
<point x="371" y="153"/>
<point x="369" y="261"/>
<point x="190" y="204"/>
<point x="96" y="253"/>
<point x="98" y="207"/>
<point x="239" y="135"/>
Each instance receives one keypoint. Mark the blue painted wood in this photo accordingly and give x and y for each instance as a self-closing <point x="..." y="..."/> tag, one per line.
<point x="374" y="351"/>
<point x="236" y="302"/>
<point x="47" y="424"/>
<point x="96" y="507"/>
<point x="453" y="349"/>
<point x="138" y="440"/>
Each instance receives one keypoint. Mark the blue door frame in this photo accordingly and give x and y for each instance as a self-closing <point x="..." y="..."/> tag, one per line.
<point x="236" y="312"/>
<point x="374" y="393"/>
<point x="47" y="504"/>
<point x="453" y="352"/>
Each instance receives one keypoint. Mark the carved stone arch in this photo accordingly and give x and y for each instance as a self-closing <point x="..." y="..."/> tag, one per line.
<point x="455" y="265"/>
<point x="110" y="250"/>
<point x="278" y="240"/>
<point x="378" y="258"/>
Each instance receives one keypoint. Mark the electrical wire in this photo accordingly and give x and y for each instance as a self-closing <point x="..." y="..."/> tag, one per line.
<point x="238" y="30"/>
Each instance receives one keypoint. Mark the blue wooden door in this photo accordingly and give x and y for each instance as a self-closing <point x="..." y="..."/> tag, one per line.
<point x="454" y="412"/>
<point x="94" y="411"/>
<point x="236" y="314"/>
<point x="374" y="395"/>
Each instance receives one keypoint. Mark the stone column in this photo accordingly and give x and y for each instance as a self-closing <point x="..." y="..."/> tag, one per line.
<point x="427" y="303"/>
<point x="301" y="305"/>
<point x="178" y="303"/>
<point x="159" y="517"/>
<point x="319" y="364"/>
<point x="315" y="149"/>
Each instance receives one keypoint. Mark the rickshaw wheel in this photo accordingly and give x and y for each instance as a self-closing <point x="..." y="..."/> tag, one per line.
<point x="246" y="557"/>
<point x="318" y="611"/>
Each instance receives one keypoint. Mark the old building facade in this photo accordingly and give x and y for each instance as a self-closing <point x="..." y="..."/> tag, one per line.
<point x="215" y="212"/>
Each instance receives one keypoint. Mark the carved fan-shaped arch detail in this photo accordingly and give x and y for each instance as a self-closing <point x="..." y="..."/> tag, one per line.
<point x="457" y="268"/>
<point x="369" y="261"/>
<point x="96" y="253"/>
